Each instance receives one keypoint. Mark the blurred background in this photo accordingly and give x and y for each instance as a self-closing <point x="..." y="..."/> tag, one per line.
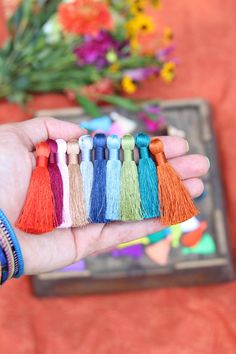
<point x="193" y="319"/>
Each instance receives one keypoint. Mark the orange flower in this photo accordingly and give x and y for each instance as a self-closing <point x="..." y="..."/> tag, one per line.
<point x="85" y="16"/>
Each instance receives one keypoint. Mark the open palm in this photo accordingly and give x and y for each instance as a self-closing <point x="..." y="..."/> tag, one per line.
<point x="47" y="252"/>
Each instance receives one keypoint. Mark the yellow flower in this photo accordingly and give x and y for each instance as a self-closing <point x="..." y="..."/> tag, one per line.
<point x="156" y="3"/>
<point x="128" y="85"/>
<point x="168" y="72"/>
<point x="140" y="24"/>
<point x="138" y="2"/>
<point x="167" y="35"/>
<point x="137" y="6"/>
<point x="134" y="43"/>
<point x="114" y="67"/>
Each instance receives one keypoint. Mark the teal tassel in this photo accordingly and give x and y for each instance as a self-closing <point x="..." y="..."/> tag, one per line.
<point x="148" y="183"/>
<point x="113" y="178"/>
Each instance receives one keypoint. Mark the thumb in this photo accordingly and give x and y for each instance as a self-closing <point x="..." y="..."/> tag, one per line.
<point x="40" y="129"/>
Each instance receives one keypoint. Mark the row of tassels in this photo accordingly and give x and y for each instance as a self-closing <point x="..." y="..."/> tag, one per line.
<point x="66" y="193"/>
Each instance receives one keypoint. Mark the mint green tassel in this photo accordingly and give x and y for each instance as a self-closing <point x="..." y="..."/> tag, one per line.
<point x="130" y="196"/>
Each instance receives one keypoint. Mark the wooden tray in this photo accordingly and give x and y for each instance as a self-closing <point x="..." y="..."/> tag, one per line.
<point x="106" y="273"/>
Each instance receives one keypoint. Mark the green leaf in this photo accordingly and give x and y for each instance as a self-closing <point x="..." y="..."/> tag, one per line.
<point x="89" y="107"/>
<point x="121" y="102"/>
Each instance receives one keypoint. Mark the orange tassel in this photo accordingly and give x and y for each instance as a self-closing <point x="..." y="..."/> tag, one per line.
<point x="175" y="202"/>
<point x="38" y="214"/>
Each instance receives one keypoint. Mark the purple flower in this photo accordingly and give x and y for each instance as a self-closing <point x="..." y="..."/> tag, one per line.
<point x="163" y="54"/>
<point x="141" y="74"/>
<point x="94" y="50"/>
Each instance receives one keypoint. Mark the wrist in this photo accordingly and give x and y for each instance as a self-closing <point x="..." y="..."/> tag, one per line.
<point x="10" y="250"/>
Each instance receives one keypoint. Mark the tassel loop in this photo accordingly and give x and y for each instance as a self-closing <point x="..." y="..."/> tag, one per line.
<point x="175" y="201"/>
<point x="42" y="161"/>
<point x="143" y="150"/>
<point x="128" y="155"/>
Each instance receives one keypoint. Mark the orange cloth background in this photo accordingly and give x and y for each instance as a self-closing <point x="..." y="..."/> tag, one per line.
<point x="167" y="321"/>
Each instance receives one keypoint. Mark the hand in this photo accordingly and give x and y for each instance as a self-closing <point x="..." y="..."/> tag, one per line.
<point x="47" y="252"/>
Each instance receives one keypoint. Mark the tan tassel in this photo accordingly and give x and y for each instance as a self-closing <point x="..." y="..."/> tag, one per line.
<point x="175" y="202"/>
<point x="77" y="201"/>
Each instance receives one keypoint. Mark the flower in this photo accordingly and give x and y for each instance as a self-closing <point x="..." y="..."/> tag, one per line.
<point x="114" y="68"/>
<point x="141" y="74"/>
<point x="85" y="17"/>
<point x="168" y="71"/>
<point x="156" y="3"/>
<point x="128" y="85"/>
<point x="137" y="6"/>
<point x="101" y="50"/>
<point x="134" y="44"/>
<point x="167" y="35"/>
<point x="163" y="54"/>
<point x="140" y="24"/>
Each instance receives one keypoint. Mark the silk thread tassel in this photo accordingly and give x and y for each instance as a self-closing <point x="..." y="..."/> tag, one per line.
<point x="62" y="164"/>
<point x="56" y="181"/>
<point x="77" y="202"/>
<point x="98" y="194"/>
<point x="86" y="167"/>
<point x="130" y="195"/>
<point x="175" y="201"/>
<point x="147" y="175"/>
<point x="38" y="214"/>
<point x="113" y="178"/>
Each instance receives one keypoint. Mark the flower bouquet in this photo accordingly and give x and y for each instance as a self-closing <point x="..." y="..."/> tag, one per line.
<point x="93" y="50"/>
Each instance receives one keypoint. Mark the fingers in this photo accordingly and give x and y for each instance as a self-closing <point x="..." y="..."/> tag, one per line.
<point x="195" y="186"/>
<point x="173" y="147"/>
<point x="190" y="166"/>
<point x="100" y="237"/>
<point x="41" y="129"/>
<point x="106" y="236"/>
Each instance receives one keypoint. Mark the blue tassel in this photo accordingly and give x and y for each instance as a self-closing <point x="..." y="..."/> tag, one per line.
<point x="98" y="195"/>
<point x="148" y="182"/>
<point x="86" y="167"/>
<point x="113" y="178"/>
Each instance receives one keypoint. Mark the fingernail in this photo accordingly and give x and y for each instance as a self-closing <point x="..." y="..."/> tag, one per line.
<point x="187" y="145"/>
<point x="209" y="162"/>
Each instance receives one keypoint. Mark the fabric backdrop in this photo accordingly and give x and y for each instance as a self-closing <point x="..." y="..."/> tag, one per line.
<point x="167" y="321"/>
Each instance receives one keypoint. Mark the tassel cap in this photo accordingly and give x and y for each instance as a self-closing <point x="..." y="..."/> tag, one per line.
<point x="157" y="149"/>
